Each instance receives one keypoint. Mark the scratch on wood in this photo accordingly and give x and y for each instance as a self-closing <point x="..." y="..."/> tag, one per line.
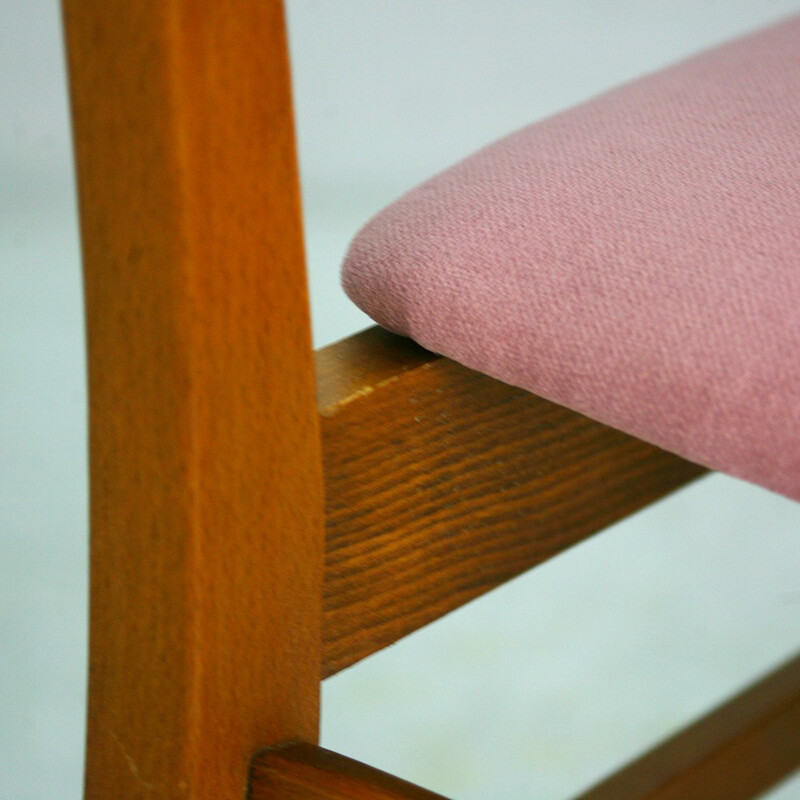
<point x="362" y="392"/>
<point x="129" y="761"/>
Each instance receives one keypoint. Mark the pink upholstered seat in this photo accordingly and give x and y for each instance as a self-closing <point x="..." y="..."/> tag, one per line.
<point x="636" y="258"/>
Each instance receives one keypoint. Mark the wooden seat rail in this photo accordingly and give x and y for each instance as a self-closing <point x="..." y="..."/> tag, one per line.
<point x="442" y="483"/>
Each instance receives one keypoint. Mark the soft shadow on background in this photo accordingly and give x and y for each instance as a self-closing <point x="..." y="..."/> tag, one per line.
<point x="544" y="685"/>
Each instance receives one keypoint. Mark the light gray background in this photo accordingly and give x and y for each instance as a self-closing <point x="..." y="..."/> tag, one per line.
<point x="534" y="691"/>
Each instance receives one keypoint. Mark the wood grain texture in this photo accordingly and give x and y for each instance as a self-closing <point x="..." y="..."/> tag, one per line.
<point x="736" y="752"/>
<point x="306" y="772"/>
<point x="442" y="483"/>
<point x="206" y="506"/>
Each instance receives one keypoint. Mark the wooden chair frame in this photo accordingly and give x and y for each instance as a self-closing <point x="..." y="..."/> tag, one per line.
<point x="223" y="585"/>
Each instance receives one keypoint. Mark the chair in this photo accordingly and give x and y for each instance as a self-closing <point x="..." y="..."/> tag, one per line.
<point x="224" y="582"/>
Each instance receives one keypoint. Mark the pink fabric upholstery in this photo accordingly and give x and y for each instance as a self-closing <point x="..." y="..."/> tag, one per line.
<point x="636" y="258"/>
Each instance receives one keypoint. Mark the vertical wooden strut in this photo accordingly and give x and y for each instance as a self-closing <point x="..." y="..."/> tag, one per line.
<point x="207" y="515"/>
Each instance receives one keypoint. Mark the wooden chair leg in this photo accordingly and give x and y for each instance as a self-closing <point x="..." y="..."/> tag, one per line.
<point x="206" y="508"/>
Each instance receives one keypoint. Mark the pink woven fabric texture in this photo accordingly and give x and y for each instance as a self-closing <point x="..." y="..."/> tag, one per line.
<point x="636" y="258"/>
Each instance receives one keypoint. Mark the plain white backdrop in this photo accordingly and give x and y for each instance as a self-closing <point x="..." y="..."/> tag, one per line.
<point x="546" y="684"/>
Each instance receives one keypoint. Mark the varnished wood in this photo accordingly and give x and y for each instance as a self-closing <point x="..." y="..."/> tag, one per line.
<point x="306" y="772"/>
<point x="207" y="511"/>
<point x="442" y="483"/>
<point x="207" y="519"/>
<point x="734" y="753"/>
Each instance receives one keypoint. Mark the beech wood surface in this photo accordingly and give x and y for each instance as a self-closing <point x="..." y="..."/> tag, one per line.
<point x="736" y="752"/>
<point x="306" y="772"/>
<point x="442" y="483"/>
<point x="206" y="494"/>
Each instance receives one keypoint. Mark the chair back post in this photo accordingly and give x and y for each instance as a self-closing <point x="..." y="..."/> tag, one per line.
<point x="206" y="486"/>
